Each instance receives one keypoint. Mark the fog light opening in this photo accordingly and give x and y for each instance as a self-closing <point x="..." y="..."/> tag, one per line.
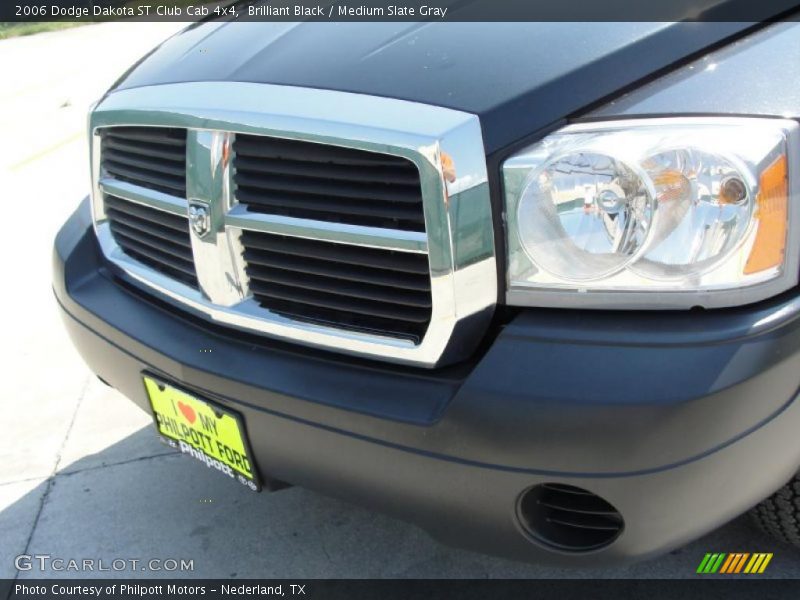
<point x="568" y="518"/>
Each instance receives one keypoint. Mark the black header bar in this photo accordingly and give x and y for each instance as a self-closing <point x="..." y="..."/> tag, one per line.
<point x="399" y="10"/>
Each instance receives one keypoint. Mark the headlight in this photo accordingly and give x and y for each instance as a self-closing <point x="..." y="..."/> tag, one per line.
<point x="656" y="213"/>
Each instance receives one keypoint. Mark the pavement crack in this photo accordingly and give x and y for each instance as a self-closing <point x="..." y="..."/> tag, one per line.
<point x="117" y="464"/>
<point x="51" y="477"/>
<point x="59" y="454"/>
<point x="23" y="480"/>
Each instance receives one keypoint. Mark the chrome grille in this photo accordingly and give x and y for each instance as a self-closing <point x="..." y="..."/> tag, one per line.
<point x="152" y="157"/>
<point x="356" y="224"/>
<point x="364" y="289"/>
<point x="327" y="183"/>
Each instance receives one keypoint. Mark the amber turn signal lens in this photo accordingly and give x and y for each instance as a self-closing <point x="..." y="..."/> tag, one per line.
<point x="772" y="205"/>
<point x="448" y="168"/>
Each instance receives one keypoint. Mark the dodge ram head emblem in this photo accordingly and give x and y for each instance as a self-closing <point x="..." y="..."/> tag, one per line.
<point x="199" y="219"/>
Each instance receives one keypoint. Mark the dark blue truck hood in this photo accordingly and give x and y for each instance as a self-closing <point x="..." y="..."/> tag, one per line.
<point x="518" y="77"/>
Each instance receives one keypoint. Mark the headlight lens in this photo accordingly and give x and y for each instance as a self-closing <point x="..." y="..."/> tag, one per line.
<point x="695" y="209"/>
<point x="585" y="216"/>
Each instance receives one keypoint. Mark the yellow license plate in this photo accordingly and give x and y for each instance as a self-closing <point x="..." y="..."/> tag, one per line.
<point x="204" y="431"/>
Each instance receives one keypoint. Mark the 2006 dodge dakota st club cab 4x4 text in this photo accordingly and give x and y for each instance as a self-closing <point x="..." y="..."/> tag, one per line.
<point x="532" y="286"/>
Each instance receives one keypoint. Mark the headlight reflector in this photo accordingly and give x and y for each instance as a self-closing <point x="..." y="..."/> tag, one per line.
<point x="604" y="214"/>
<point x="585" y="215"/>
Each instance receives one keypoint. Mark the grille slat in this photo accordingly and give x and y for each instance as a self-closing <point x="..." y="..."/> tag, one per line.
<point x="337" y="287"/>
<point x="331" y="189"/>
<point x="309" y="206"/>
<point x="150" y="157"/>
<point x="131" y="221"/>
<point x="176" y="249"/>
<point x="135" y="161"/>
<point x="347" y="272"/>
<point x="358" y="306"/>
<point x="137" y="148"/>
<point x="138" y="250"/>
<point x="128" y="210"/>
<point x="312" y="170"/>
<point x="155" y="238"/>
<point x="146" y="178"/>
<point x="340" y="253"/>
<point x="162" y="136"/>
<point x="366" y="289"/>
<point x="327" y="183"/>
<point x="313" y="313"/>
<point x="265" y="147"/>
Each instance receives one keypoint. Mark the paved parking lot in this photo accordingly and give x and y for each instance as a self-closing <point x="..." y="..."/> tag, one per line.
<point x="81" y="472"/>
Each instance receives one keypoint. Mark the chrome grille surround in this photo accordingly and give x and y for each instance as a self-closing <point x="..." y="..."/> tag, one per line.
<point x="459" y="237"/>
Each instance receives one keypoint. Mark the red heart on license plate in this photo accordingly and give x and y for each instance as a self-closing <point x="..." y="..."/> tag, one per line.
<point x="187" y="411"/>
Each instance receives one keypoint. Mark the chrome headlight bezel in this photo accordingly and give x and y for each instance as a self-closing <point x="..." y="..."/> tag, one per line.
<point x="530" y="284"/>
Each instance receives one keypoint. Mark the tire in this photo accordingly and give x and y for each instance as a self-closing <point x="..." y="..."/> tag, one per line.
<point x="779" y="515"/>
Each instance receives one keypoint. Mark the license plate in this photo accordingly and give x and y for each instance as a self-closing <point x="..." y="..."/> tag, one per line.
<point x="209" y="433"/>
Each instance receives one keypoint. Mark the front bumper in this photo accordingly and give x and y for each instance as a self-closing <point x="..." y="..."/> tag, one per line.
<point x="681" y="421"/>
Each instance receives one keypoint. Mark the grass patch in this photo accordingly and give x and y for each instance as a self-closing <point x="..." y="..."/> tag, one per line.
<point x="9" y="30"/>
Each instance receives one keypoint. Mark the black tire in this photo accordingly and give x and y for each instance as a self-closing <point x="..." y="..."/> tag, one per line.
<point x="779" y="515"/>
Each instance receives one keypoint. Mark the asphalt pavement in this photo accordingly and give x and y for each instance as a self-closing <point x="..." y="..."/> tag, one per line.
<point x="82" y="474"/>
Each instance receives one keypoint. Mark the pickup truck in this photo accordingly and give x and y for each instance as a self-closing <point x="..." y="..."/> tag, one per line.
<point x="530" y="286"/>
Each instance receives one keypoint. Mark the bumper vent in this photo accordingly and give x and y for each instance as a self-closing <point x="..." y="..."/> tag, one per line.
<point x="363" y="289"/>
<point x="569" y="518"/>
<point x="327" y="183"/>
<point x="153" y="237"/>
<point x="151" y="157"/>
